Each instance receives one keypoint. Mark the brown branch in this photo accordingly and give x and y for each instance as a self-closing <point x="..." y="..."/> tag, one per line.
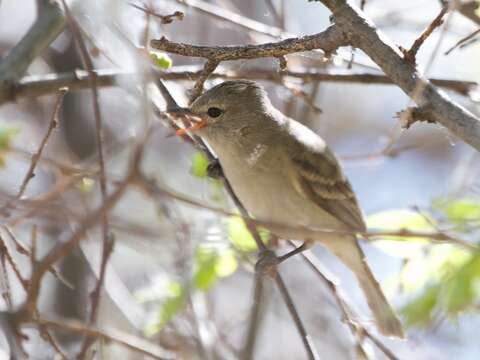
<point x="469" y="10"/>
<point x="22" y="249"/>
<point x="32" y="86"/>
<point x="412" y="114"/>
<point x="208" y="69"/>
<point x="411" y="54"/>
<point x="108" y="335"/>
<point x="48" y="337"/>
<point x="306" y="338"/>
<point x="246" y="23"/>
<point x="53" y="124"/>
<point x="357" y="329"/>
<point x="99" y="139"/>
<point x="328" y="41"/>
<point x="254" y="320"/>
<point x="63" y="249"/>
<point x="362" y="34"/>
<point x="462" y="41"/>
<point x="165" y="19"/>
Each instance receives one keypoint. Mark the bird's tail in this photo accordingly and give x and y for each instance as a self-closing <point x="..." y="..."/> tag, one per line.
<point x="350" y="253"/>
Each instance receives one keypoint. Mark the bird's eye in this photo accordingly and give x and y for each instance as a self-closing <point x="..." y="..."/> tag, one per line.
<point x="214" y="112"/>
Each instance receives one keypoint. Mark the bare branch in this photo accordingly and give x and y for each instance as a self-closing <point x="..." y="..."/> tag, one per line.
<point x="46" y="28"/>
<point x="411" y="54"/>
<point x="363" y="34"/>
<point x="31" y="86"/>
<point x="165" y="19"/>
<point x="110" y="335"/>
<point x="99" y="139"/>
<point x="462" y="41"/>
<point x="306" y="338"/>
<point x="254" y="320"/>
<point x="53" y="124"/>
<point x="357" y="329"/>
<point x="328" y="41"/>
<point x="208" y="69"/>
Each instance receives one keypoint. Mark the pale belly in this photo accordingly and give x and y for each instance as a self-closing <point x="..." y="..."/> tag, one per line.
<point x="272" y="197"/>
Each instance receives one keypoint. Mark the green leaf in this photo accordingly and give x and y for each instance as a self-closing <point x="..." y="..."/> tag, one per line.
<point x="461" y="289"/>
<point x="7" y="133"/>
<point x="211" y="264"/>
<point x="199" y="165"/>
<point x="161" y="60"/>
<point x="174" y="303"/>
<point x="240" y="236"/>
<point x="226" y="264"/>
<point x="421" y="310"/>
<point x="86" y="184"/>
<point x="459" y="211"/>
<point x="454" y="288"/>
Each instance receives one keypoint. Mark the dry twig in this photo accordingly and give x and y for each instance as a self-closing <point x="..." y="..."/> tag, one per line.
<point x="411" y="54"/>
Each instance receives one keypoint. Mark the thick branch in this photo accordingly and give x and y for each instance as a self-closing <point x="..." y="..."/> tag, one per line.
<point x="46" y="28"/>
<point x="328" y="41"/>
<point x="363" y="34"/>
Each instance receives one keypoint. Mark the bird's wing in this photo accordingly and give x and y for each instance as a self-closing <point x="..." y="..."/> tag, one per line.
<point x="317" y="176"/>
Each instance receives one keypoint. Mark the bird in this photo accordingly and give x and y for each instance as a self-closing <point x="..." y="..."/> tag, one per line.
<point x="285" y="174"/>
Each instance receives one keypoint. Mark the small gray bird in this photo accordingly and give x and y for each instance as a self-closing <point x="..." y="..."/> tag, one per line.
<point x="284" y="173"/>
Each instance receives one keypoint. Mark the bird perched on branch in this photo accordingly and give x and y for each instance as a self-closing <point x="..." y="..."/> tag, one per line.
<point x="285" y="175"/>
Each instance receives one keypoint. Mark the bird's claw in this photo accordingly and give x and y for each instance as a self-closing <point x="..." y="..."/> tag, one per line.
<point x="214" y="170"/>
<point x="267" y="263"/>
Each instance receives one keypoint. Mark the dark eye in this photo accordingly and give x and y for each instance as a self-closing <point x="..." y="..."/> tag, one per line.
<point x="214" y="112"/>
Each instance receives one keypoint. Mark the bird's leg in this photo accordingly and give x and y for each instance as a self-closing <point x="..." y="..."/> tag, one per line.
<point x="305" y="246"/>
<point x="214" y="170"/>
<point x="267" y="260"/>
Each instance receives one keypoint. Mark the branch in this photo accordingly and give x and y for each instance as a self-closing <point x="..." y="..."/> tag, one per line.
<point x="99" y="140"/>
<point x="469" y="10"/>
<point x="362" y="34"/>
<point x="38" y="85"/>
<point x="411" y="54"/>
<point x="46" y="28"/>
<point x="328" y="41"/>
<point x="348" y="314"/>
<point x="111" y="335"/>
<point x="306" y="338"/>
<point x="54" y="120"/>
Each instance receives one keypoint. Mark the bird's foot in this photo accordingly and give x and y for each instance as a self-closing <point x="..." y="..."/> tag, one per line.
<point x="267" y="263"/>
<point x="214" y="170"/>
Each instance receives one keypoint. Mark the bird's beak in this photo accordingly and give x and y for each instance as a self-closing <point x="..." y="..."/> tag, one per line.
<point x="195" y="122"/>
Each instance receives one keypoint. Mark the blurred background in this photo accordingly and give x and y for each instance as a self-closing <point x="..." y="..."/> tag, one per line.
<point x="181" y="276"/>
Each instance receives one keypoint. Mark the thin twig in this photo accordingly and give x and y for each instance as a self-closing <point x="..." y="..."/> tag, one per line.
<point x="357" y="329"/>
<point x="254" y="319"/>
<point x="109" y="335"/>
<point x="165" y="19"/>
<point x="411" y="54"/>
<point x="99" y="139"/>
<point x="208" y="69"/>
<point x="463" y="41"/>
<point x="53" y="124"/>
<point x="63" y="249"/>
<point x="306" y="338"/>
